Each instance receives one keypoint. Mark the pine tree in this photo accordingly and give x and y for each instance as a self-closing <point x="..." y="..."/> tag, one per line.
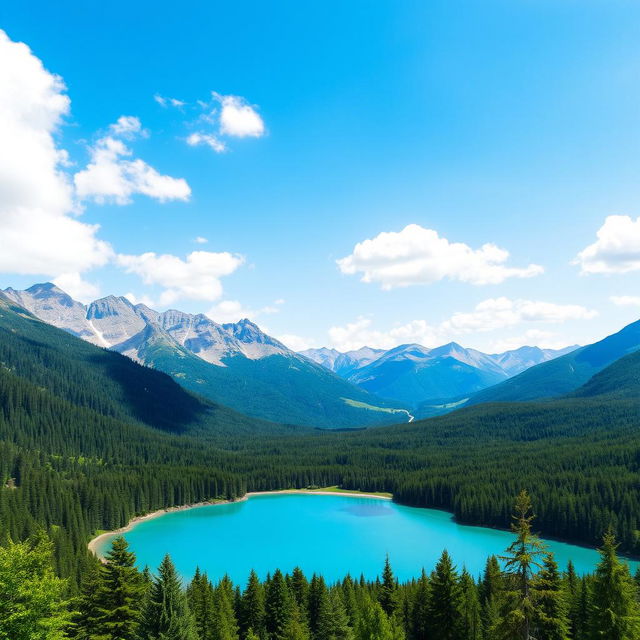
<point x="614" y="612"/>
<point x="299" y="588"/>
<point x="317" y="593"/>
<point x="374" y="623"/>
<point x="333" y="623"/>
<point x="87" y="612"/>
<point x="225" y="623"/>
<point x="119" y="595"/>
<point x="420" y="609"/>
<point x="522" y="559"/>
<point x="166" y="615"/>
<point x="278" y="606"/>
<point x="251" y="617"/>
<point x="471" y="611"/>
<point x="489" y="590"/>
<point x="200" y="598"/>
<point x="444" y="619"/>
<point x="387" y="596"/>
<point x="550" y="620"/>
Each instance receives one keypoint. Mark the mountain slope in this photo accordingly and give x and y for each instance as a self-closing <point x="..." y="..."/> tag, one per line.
<point x="566" y="373"/>
<point x="236" y="365"/>
<point x="104" y="383"/>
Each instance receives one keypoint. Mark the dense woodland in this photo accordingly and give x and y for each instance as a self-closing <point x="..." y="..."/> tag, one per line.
<point x="521" y="595"/>
<point x="89" y="439"/>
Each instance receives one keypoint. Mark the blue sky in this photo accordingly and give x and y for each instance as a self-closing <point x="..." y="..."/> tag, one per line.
<point x="510" y="124"/>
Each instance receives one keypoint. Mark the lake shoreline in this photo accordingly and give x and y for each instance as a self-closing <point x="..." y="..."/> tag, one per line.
<point x="94" y="544"/>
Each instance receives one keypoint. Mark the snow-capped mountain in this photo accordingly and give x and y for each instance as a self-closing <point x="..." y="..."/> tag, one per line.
<point x="414" y="374"/>
<point x="235" y="364"/>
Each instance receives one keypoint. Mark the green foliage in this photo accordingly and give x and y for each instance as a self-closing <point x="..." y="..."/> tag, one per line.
<point x="166" y="615"/>
<point x="32" y="598"/>
<point x="615" y="613"/>
<point x="444" y="616"/>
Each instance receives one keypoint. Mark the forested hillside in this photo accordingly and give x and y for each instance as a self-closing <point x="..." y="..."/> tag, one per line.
<point x="77" y="454"/>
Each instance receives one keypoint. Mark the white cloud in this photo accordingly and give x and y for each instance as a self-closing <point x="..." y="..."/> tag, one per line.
<point x="296" y="343"/>
<point x="200" y="240"/>
<point x="128" y="127"/>
<point x="112" y="177"/>
<point x="143" y="299"/>
<point x="238" y="118"/>
<point x="196" y="278"/>
<point x="498" y="313"/>
<point x="626" y="301"/>
<point x="168" y="102"/>
<point x="233" y="311"/>
<point x="530" y="338"/>
<point x="417" y="255"/>
<point x="197" y="139"/>
<point x="77" y="288"/>
<point x="489" y="315"/>
<point x="616" y="250"/>
<point x="40" y="232"/>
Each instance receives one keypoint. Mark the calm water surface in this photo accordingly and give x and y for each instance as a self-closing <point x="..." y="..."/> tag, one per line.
<point x="331" y="535"/>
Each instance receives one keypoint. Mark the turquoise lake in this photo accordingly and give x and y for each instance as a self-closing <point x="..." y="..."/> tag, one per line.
<point x="331" y="535"/>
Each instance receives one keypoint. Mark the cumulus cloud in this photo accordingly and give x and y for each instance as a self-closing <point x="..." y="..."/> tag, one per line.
<point x="488" y="315"/>
<point x="40" y="231"/>
<point x="626" y="301"/>
<point x="238" y="118"/>
<point x="616" y="250"/>
<point x="207" y="139"/>
<point x="296" y="343"/>
<point x="114" y="176"/>
<point x="76" y="287"/>
<point x="128" y="127"/>
<point x="200" y="240"/>
<point x="196" y="278"/>
<point x="417" y="255"/>
<point x="233" y="311"/>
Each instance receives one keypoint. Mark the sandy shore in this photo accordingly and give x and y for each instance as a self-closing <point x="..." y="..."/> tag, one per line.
<point x="95" y="543"/>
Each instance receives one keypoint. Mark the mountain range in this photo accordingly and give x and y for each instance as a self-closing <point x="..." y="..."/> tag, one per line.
<point x="414" y="375"/>
<point x="236" y="365"/>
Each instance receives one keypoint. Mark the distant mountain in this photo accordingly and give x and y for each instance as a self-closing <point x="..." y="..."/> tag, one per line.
<point x="414" y="374"/>
<point x="344" y="364"/>
<point x="564" y="374"/>
<point x="235" y="364"/>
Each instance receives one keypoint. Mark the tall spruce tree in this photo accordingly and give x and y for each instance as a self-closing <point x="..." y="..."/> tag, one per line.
<point x="166" y="615"/>
<point x="445" y="601"/>
<point x="333" y="622"/>
<point x="200" y="597"/>
<point x="387" y="595"/>
<point x="278" y="606"/>
<point x="471" y="610"/>
<point x="614" y="612"/>
<point x="225" y="623"/>
<point x="490" y="591"/>
<point x="251" y="615"/>
<point x="522" y="559"/>
<point x="120" y="594"/>
<point x="551" y="620"/>
<point x="420" y="609"/>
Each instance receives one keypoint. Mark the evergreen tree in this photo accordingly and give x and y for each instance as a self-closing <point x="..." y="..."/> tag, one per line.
<point x="471" y="610"/>
<point x="87" y="614"/>
<point x="551" y="620"/>
<point x="317" y="593"/>
<point x="489" y="592"/>
<point x="225" y="623"/>
<point x="166" y="615"/>
<point x="333" y="622"/>
<point x="387" y="596"/>
<point x="374" y="623"/>
<point x="200" y="598"/>
<point x="278" y="607"/>
<point x="299" y="588"/>
<point x="444" y="619"/>
<point x="251" y="617"/>
<point x="119" y="595"/>
<point x="420" y="609"/>
<point x="614" y="612"/>
<point x="522" y="559"/>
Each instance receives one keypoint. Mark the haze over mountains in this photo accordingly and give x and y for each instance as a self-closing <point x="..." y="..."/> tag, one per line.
<point x="414" y="374"/>
<point x="235" y="364"/>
